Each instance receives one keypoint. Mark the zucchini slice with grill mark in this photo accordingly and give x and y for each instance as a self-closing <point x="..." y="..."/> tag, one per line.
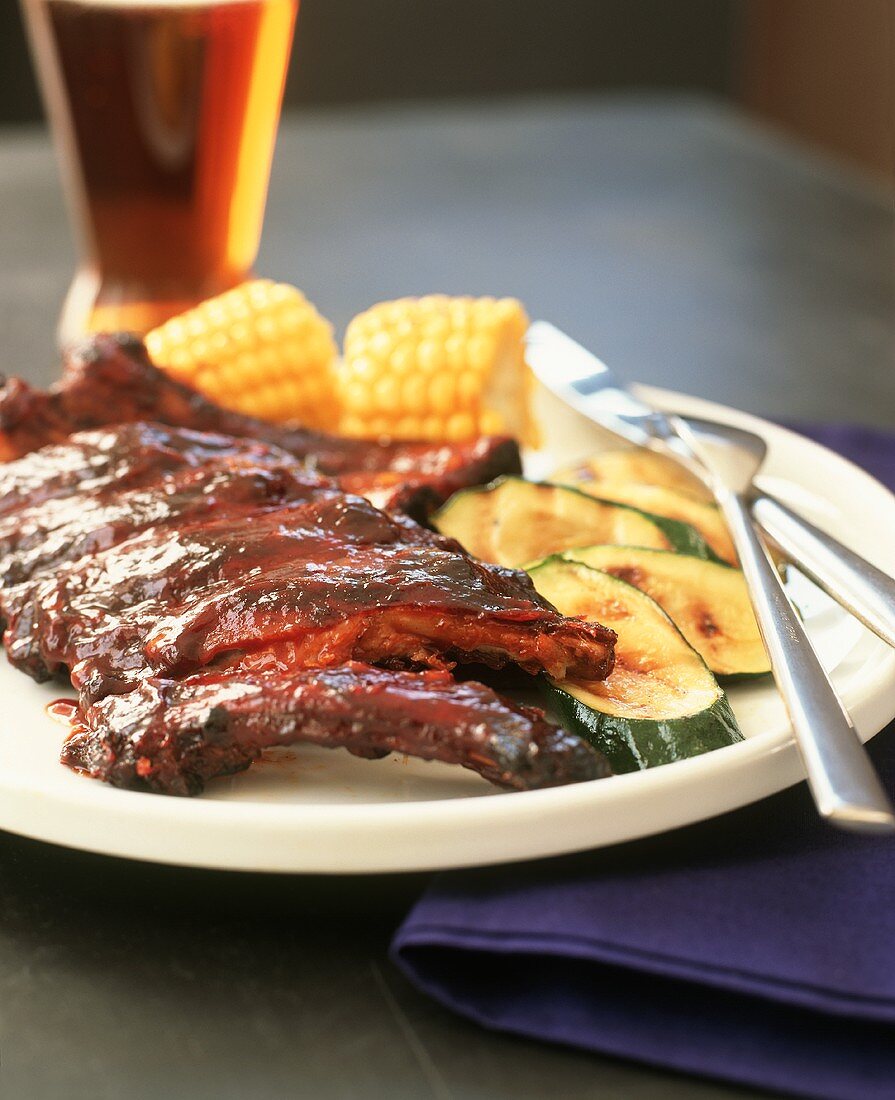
<point x="639" y="466"/>
<point x="705" y="518"/>
<point x="707" y="601"/>
<point x="512" y="521"/>
<point x="660" y="703"/>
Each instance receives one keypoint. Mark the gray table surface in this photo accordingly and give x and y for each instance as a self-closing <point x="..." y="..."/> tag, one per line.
<point x="689" y="249"/>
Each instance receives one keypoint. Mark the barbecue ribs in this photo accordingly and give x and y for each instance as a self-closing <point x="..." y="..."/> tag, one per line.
<point x="109" y="379"/>
<point x="314" y="581"/>
<point x="171" y="736"/>
<point x="210" y="596"/>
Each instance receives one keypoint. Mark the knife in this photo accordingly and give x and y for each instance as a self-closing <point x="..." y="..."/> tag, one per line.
<point x="581" y="380"/>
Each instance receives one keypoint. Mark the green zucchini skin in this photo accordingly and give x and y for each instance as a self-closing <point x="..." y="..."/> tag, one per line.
<point x="684" y="539"/>
<point x="632" y="745"/>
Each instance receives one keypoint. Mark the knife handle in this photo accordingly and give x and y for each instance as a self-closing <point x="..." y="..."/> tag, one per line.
<point x="862" y="589"/>
<point x="845" y="787"/>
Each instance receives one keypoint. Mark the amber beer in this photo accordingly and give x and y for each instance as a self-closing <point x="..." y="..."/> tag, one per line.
<point x="165" y="113"/>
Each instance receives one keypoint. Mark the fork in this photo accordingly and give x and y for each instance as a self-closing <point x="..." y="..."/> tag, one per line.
<point x="841" y="778"/>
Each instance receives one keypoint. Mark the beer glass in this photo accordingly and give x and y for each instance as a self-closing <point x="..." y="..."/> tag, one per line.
<point x="164" y="114"/>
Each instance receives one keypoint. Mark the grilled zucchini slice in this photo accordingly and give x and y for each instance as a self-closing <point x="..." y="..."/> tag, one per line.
<point x="512" y="521"/>
<point x="660" y="703"/>
<point x="705" y="518"/>
<point x="638" y="466"/>
<point x="707" y="601"/>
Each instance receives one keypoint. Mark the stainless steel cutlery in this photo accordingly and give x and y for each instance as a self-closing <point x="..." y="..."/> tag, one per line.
<point x="842" y="780"/>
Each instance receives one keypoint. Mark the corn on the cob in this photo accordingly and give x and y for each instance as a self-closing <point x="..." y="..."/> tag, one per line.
<point x="261" y="349"/>
<point x="435" y="368"/>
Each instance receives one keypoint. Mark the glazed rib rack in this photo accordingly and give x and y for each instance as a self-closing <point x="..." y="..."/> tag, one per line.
<point x="209" y="596"/>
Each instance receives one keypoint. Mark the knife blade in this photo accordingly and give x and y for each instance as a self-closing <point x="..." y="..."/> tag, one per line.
<point x="583" y="381"/>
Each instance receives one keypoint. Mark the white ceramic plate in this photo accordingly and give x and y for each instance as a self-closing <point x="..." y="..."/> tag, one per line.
<point x="315" y="810"/>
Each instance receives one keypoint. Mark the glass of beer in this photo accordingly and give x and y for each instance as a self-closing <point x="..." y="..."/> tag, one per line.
<point x="165" y="115"/>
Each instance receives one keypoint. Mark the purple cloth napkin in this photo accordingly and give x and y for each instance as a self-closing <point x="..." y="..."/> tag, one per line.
<point x="759" y="947"/>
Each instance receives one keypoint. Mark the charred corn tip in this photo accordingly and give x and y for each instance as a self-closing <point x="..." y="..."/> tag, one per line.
<point x="261" y="349"/>
<point x="436" y="368"/>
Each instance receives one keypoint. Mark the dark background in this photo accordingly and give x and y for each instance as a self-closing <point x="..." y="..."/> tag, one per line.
<point x="350" y="51"/>
<point x="823" y="69"/>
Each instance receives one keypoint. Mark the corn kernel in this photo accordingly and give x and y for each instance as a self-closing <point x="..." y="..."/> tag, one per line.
<point x="385" y="393"/>
<point x="460" y="426"/>
<point x="180" y="360"/>
<point x="403" y="359"/>
<point x="443" y="393"/>
<point x="455" y="350"/>
<point x="467" y="388"/>
<point x="414" y="393"/>
<point x="381" y="344"/>
<point x="480" y="352"/>
<point x="355" y="398"/>
<point x="195" y="325"/>
<point x="432" y="427"/>
<point x="353" y="425"/>
<point x="430" y="357"/>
